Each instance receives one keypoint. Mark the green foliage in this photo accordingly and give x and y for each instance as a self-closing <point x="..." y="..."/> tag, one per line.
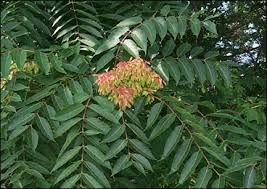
<point x="204" y="129"/>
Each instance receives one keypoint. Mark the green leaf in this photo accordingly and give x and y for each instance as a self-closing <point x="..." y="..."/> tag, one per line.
<point x="20" y="120"/>
<point x="250" y="177"/>
<point x="66" y="157"/>
<point x="242" y="164"/>
<point x="130" y="21"/>
<point x="71" y="68"/>
<point x="89" y="40"/>
<point x="87" y="86"/>
<point x="219" y="183"/>
<point x="91" y="181"/>
<point x="187" y="70"/>
<point x="35" y="174"/>
<point x="91" y="22"/>
<point x="70" y="182"/>
<point x="218" y="156"/>
<point x="211" y="54"/>
<point x="153" y="114"/>
<point x="120" y="164"/>
<point x="10" y="160"/>
<point x="234" y="129"/>
<point x="104" y="60"/>
<point x="140" y="38"/>
<point x="98" y="174"/>
<point x="17" y="131"/>
<point x="172" y="141"/>
<point x="118" y="32"/>
<point x="108" y="44"/>
<point x="5" y="64"/>
<point x="114" y="133"/>
<point x="57" y="63"/>
<point x="133" y="117"/>
<point x="130" y="46"/>
<point x="195" y="26"/>
<point x="92" y="132"/>
<point x="139" y="167"/>
<point x="213" y="16"/>
<point x="65" y="31"/>
<point x="98" y="124"/>
<point x="180" y="155"/>
<point x="97" y="155"/>
<point x="206" y="140"/>
<point x="162" y="70"/>
<point x="263" y="168"/>
<point x="19" y="57"/>
<point x="115" y="148"/>
<point x="211" y="72"/>
<point x="173" y="69"/>
<point x="65" y="126"/>
<point x="72" y="134"/>
<point x="105" y="103"/>
<point x="142" y="160"/>
<point x="190" y="166"/>
<point x="150" y="31"/>
<point x="38" y="167"/>
<point x="69" y="112"/>
<point x="40" y="95"/>
<point x="172" y="26"/>
<point x="141" y="148"/>
<point x="87" y="7"/>
<point x="45" y="127"/>
<point x="226" y="74"/>
<point x="210" y="26"/>
<point x="183" y="49"/>
<point x="67" y="96"/>
<point x="104" y="113"/>
<point x="162" y="125"/>
<point x="203" y="178"/>
<point x="182" y="24"/>
<point x="165" y="10"/>
<point x="80" y="97"/>
<point x="138" y="132"/>
<point x="91" y="30"/>
<point x="19" y="87"/>
<point x="227" y="116"/>
<point x="168" y="47"/>
<point x="67" y="171"/>
<point x="34" y="138"/>
<point x="196" y="51"/>
<point x="199" y="70"/>
<point x="42" y="61"/>
<point x="161" y="26"/>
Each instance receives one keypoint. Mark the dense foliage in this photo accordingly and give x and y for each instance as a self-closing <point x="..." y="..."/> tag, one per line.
<point x="179" y="111"/>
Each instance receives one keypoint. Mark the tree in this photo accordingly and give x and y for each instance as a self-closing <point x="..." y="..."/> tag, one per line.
<point x="114" y="94"/>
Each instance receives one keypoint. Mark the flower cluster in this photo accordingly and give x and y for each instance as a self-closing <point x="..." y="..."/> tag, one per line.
<point x="128" y="80"/>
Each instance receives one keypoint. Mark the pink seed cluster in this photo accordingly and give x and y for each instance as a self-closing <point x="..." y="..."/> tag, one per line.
<point x="127" y="81"/>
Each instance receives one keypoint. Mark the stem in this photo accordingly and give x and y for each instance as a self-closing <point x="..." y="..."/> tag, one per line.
<point x="82" y="136"/>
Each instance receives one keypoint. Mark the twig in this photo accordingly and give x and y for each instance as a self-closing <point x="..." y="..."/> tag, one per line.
<point x="82" y="136"/>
